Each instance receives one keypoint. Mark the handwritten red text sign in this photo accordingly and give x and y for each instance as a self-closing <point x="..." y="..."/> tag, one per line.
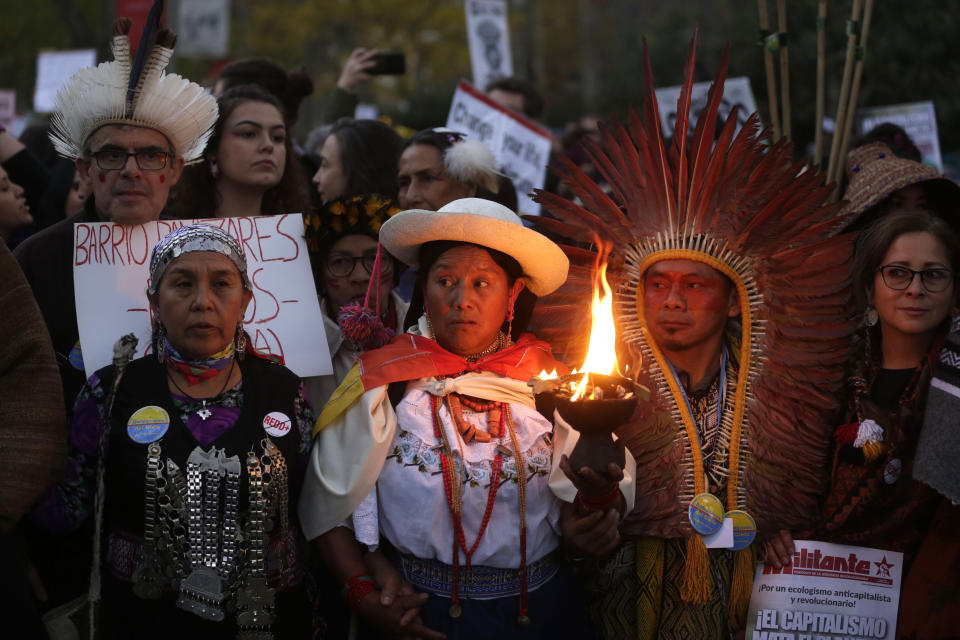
<point x="111" y="273"/>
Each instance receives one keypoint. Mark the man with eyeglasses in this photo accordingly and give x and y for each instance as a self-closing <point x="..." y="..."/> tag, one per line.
<point x="130" y="145"/>
<point x="342" y="242"/>
<point x="130" y="162"/>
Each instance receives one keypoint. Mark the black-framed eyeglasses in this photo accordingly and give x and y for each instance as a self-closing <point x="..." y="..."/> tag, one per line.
<point x="114" y="159"/>
<point x="898" y="278"/>
<point x="341" y="265"/>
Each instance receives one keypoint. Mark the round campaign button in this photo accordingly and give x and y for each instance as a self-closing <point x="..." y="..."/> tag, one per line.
<point x="76" y="357"/>
<point x="148" y="424"/>
<point x="744" y="528"/>
<point x="891" y="472"/>
<point x="706" y="514"/>
<point x="276" y="424"/>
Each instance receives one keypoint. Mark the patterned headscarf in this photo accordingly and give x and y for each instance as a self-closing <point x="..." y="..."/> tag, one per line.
<point x="195" y="237"/>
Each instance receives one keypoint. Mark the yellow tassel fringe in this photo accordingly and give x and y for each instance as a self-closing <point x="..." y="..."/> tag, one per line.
<point x="695" y="586"/>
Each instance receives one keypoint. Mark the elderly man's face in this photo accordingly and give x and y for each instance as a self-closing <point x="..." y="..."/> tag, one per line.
<point x="687" y="304"/>
<point x="129" y="195"/>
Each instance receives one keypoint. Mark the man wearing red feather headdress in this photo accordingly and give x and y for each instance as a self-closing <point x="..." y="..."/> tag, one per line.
<point x="732" y="304"/>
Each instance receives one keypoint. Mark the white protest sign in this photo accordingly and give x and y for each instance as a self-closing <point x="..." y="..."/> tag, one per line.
<point x="521" y="147"/>
<point x="111" y="271"/>
<point x="489" y="40"/>
<point x="736" y="93"/>
<point x="54" y="68"/>
<point x="831" y="591"/>
<point x="8" y="107"/>
<point x="918" y="119"/>
<point x="204" y="28"/>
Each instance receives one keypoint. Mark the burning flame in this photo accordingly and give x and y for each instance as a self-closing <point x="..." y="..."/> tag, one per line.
<point x="601" y="352"/>
<point x="543" y="375"/>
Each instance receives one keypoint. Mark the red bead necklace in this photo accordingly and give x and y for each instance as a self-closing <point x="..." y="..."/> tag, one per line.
<point x="453" y="488"/>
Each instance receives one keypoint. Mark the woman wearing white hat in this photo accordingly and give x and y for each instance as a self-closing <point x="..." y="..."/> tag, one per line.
<point x="418" y="449"/>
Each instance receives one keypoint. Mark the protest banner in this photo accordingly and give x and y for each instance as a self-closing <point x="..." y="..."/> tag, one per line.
<point x="521" y="147"/>
<point x="829" y="592"/>
<point x="489" y="40"/>
<point x="54" y="68"/>
<point x="918" y="119"/>
<point x="111" y="273"/>
<point x="736" y="93"/>
<point x="203" y="28"/>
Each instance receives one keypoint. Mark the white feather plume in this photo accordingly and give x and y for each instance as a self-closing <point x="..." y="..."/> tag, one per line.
<point x="181" y="110"/>
<point x="472" y="162"/>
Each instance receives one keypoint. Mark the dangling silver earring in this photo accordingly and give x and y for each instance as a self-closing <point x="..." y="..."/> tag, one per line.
<point x="241" y="341"/>
<point x="871" y="317"/>
<point x="161" y="341"/>
<point x="214" y="169"/>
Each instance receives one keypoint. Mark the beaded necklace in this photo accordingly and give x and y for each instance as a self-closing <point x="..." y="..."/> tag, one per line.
<point x="453" y="489"/>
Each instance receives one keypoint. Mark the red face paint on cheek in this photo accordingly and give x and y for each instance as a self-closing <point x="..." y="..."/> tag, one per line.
<point x="102" y="178"/>
<point x="333" y="284"/>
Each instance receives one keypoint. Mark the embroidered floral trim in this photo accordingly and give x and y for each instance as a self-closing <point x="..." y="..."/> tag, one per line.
<point x="411" y="451"/>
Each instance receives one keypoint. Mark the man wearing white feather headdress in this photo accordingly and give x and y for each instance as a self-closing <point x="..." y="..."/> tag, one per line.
<point x="130" y="127"/>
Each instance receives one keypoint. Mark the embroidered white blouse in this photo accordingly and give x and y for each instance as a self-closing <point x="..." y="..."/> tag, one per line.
<point x="377" y="471"/>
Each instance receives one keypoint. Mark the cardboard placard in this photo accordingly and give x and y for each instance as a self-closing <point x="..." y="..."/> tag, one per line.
<point x="111" y="272"/>
<point x="736" y="93"/>
<point x="489" y="39"/>
<point x="521" y="147"/>
<point x="54" y="68"/>
<point x="204" y="28"/>
<point x="830" y="591"/>
<point x="918" y="119"/>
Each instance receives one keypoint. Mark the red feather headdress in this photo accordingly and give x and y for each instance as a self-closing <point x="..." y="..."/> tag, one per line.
<point x="758" y="217"/>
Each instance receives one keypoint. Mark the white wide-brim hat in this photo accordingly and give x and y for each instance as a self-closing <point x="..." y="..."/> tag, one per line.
<point x="481" y="222"/>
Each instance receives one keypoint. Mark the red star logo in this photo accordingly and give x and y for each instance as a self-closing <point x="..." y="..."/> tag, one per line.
<point x="883" y="568"/>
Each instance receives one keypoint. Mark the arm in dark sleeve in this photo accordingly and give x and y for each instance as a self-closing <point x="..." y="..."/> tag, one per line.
<point x="32" y="419"/>
<point x="339" y="104"/>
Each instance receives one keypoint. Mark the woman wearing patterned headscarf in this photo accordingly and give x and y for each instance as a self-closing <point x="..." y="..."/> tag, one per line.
<point x="186" y="458"/>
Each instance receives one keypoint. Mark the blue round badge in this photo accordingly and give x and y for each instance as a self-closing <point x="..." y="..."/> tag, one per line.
<point x="76" y="357"/>
<point x="744" y="528"/>
<point x="706" y="514"/>
<point x="148" y="424"/>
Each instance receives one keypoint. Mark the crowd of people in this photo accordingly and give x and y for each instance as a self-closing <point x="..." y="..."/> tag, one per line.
<point x="801" y="359"/>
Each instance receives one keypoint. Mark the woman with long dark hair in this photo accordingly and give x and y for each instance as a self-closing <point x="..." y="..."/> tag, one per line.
<point x="248" y="167"/>
<point x="905" y="272"/>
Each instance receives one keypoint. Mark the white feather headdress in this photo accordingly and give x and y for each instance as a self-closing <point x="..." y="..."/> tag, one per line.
<point x="181" y="110"/>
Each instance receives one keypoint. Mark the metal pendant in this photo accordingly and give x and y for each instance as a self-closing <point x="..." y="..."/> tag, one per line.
<point x="201" y="593"/>
<point x="255" y="603"/>
<point x="455" y="610"/>
<point x="523" y="620"/>
<point x="203" y="413"/>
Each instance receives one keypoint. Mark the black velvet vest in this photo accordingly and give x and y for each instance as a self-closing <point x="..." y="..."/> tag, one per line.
<point x="267" y="387"/>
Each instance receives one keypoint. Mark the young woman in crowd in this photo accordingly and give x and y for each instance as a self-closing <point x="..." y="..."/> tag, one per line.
<point x="199" y="466"/>
<point x="358" y="157"/>
<point x="357" y="182"/>
<point x="248" y="166"/>
<point x="906" y="267"/>
<point x="14" y="212"/>
<point x="443" y="430"/>
<point x="438" y="166"/>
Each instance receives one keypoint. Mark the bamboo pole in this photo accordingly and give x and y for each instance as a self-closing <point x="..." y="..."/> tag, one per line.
<point x="844" y="91"/>
<point x="854" y="91"/>
<point x="771" y="76"/>
<point x="784" y="67"/>
<point x="821" y="79"/>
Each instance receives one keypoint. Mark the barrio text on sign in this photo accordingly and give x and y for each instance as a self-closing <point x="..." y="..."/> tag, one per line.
<point x="111" y="275"/>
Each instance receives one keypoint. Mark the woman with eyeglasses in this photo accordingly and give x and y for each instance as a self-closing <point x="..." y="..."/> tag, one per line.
<point x="342" y="241"/>
<point x="905" y="273"/>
